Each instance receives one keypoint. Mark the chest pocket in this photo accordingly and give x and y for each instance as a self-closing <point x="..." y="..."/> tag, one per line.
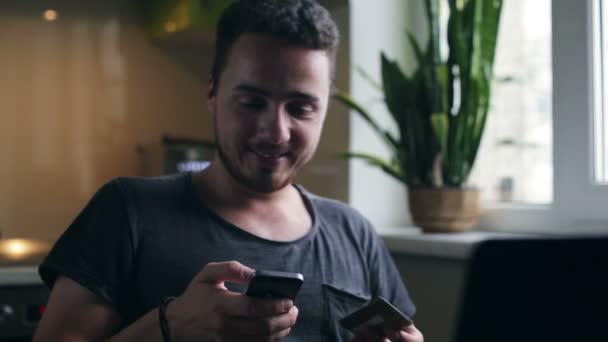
<point x="338" y="302"/>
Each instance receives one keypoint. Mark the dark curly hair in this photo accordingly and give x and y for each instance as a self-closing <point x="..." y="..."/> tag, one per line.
<point x="298" y="22"/>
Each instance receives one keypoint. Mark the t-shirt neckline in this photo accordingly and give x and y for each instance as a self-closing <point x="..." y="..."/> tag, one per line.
<point x="192" y="192"/>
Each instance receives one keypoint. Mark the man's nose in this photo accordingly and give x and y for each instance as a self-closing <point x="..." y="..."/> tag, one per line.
<point x="274" y="126"/>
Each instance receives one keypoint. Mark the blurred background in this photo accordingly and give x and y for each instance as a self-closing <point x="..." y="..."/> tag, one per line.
<point x="89" y="92"/>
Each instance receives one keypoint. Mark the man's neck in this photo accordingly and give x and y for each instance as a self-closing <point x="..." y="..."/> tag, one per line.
<point x="281" y="215"/>
<point x="225" y="191"/>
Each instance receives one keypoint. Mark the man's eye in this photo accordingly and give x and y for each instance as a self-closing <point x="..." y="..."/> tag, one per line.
<point x="300" y="109"/>
<point x="252" y="104"/>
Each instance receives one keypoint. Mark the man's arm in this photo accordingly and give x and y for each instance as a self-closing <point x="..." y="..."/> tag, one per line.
<point x="74" y="314"/>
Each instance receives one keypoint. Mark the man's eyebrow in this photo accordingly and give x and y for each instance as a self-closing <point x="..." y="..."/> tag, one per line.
<point x="248" y="88"/>
<point x="251" y="89"/>
<point x="302" y="95"/>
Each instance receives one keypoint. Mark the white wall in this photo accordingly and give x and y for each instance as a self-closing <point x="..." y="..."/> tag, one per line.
<point x="377" y="26"/>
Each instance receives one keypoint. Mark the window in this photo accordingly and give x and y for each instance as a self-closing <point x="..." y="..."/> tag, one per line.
<point x="553" y="148"/>
<point x="514" y="163"/>
<point x="580" y="203"/>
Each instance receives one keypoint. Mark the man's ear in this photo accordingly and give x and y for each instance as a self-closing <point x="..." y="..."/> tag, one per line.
<point x="211" y="94"/>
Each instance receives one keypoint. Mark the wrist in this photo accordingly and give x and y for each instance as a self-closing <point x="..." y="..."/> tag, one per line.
<point x="165" y="320"/>
<point x="177" y="321"/>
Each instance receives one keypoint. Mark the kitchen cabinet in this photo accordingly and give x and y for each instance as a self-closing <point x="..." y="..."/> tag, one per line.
<point x="191" y="21"/>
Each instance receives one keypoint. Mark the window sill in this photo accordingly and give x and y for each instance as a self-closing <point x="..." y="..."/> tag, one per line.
<point x="459" y="246"/>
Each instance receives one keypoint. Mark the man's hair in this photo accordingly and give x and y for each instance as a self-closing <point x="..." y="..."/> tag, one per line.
<point x="302" y="23"/>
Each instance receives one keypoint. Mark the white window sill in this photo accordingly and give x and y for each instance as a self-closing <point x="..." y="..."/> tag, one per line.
<point x="411" y="240"/>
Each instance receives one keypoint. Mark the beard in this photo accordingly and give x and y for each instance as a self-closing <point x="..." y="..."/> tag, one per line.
<point x="264" y="181"/>
<point x="259" y="179"/>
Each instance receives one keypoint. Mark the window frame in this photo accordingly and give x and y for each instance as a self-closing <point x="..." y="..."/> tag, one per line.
<point x="600" y="59"/>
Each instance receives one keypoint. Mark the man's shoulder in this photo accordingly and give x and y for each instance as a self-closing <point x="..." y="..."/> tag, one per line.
<point x="327" y="203"/>
<point x="147" y="186"/>
<point x="146" y="192"/>
<point x="335" y="210"/>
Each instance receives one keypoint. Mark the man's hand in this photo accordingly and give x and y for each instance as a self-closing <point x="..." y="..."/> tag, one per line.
<point x="406" y="334"/>
<point x="207" y="311"/>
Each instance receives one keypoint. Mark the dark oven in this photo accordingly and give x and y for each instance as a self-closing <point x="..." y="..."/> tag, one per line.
<point x="23" y="297"/>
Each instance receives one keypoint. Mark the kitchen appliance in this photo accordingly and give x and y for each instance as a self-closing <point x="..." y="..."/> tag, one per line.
<point x="23" y="296"/>
<point x="173" y="155"/>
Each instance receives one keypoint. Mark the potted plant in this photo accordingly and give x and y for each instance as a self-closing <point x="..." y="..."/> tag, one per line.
<point x="440" y="112"/>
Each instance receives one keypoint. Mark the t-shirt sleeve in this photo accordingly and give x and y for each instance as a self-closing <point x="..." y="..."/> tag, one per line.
<point x="96" y="249"/>
<point x="387" y="281"/>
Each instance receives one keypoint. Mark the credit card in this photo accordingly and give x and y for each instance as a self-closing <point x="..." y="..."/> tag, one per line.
<point x="377" y="313"/>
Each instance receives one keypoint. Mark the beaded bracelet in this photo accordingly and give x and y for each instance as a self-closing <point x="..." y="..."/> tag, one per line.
<point x="162" y="318"/>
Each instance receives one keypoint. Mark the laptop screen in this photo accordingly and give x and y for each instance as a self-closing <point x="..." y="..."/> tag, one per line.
<point x="536" y="290"/>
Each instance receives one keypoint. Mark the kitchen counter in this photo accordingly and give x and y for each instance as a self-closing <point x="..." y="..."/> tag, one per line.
<point x="19" y="275"/>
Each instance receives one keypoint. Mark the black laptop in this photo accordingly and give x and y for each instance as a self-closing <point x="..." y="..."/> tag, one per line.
<point x="553" y="289"/>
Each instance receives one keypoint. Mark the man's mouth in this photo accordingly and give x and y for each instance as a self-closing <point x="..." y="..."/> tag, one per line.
<point x="269" y="154"/>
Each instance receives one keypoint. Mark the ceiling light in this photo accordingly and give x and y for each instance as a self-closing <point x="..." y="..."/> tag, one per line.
<point x="50" y="15"/>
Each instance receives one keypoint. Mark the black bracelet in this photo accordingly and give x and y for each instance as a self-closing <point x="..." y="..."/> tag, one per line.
<point x="162" y="318"/>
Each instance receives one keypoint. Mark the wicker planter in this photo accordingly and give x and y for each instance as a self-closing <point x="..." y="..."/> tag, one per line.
<point x="445" y="209"/>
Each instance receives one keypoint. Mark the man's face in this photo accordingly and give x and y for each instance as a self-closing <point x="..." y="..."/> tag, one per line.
<point x="269" y="106"/>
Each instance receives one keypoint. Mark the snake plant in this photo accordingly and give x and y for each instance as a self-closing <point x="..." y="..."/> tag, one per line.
<point x="441" y="109"/>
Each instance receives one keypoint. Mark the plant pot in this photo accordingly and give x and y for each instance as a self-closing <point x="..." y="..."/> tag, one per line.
<point x="445" y="209"/>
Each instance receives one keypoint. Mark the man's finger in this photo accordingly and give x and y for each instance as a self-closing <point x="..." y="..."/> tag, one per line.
<point x="280" y="334"/>
<point x="259" y="326"/>
<point x="230" y="271"/>
<point x="410" y="334"/>
<point x="396" y="336"/>
<point x="234" y="336"/>
<point x="238" y="305"/>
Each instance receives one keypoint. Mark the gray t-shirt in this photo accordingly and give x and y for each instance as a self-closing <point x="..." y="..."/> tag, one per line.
<point x="139" y="240"/>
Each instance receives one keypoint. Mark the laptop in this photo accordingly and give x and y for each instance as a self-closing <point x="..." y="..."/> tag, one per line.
<point x="542" y="289"/>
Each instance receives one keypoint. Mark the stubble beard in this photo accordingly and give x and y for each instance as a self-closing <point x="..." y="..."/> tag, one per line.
<point x="263" y="181"/>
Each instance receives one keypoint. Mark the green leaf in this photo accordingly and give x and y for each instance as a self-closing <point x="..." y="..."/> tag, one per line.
<point x="347" y="100"/>
<point x="432" y="14"/>
<point x="398" y="89"/>
<point x="473" y="29"/>
<point x="417" y="50"/>
<point x="440" y="123"/>
<point x="442" y="77"/>
<point x="485" y="31"/>
<point x="366" y="76"/>
<point x="458" y="70"/>
<point x="481" y="117"/>
<point x="401" y="96"/>
<point x="390" y="168"/>
<point x="411" y="102"/>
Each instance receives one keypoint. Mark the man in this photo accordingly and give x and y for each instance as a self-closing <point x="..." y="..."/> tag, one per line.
<point x="200" y="236"/>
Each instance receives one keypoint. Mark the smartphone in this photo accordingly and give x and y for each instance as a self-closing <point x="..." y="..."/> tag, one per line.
<point x="274" y="284"/>
<point x="377" y="313"/>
